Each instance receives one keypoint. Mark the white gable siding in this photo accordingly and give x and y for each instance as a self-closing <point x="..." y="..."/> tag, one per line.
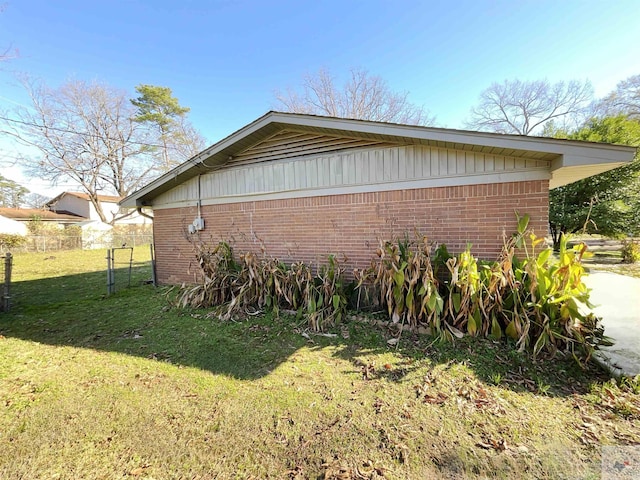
<point x="84" y="208"/>
<point x="107" y="208"/>
<point x="112" y="210"/>
<point x="73" y="204"/>
<point x="353" y="171"/>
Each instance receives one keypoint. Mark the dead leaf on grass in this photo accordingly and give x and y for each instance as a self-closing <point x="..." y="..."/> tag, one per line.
<point x="369" y="472"/>
<point x="438" y="399"/>
<point x="406" y="412"/>
<point x="589" y="438"/>
<point x="337" y="471"/>
<point x="588" y="434"/>
<point x="499" y="445"/>
<point x="136" y="472"/>
<point x="295" y="473"/>
<point x="610" y="394"/>
<point x="368" y="370"/>
<point x="426" y="383"/>
<point x="344" y="331"/>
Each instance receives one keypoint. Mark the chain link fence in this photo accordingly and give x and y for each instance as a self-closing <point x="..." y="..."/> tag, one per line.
<point x="53" y="243"/>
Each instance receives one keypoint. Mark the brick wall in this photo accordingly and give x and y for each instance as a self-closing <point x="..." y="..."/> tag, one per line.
<point x="309" y="229"/>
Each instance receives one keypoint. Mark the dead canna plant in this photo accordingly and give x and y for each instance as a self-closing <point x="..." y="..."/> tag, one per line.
<point x="403" y="275"/>
<point x="220" y="274"/>
<point x="264" y="283"/>
<point x="464" y="289"/>
<point x="325" y="297"/>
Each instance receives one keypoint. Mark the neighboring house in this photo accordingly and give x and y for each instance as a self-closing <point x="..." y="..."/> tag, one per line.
<point x="305" y="186"/>
<point x="26" y="215"/>
<point x="95" y="234"/>
<point x="9" y="226"/>
<point x="78" y="203"/>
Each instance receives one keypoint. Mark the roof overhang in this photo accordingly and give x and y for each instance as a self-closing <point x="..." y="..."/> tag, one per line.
<point x="569" y="160"/>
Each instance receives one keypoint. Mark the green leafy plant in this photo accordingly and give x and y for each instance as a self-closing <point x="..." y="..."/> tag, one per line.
<point x="542" y="388"/>
<point x="551" y="293"/>
<point x="534" y="300"/>
<point x="9" y="241"/>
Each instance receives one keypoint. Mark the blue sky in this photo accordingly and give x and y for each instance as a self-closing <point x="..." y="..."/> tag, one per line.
<point x="224" y="59"/>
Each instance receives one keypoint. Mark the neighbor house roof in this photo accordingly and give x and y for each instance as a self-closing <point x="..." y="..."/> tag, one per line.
<point x="569" y="160"/>
<point x="23" y="214"/>
<point x="84" y="196"/>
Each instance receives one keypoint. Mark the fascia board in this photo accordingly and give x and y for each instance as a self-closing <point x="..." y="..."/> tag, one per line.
<point x="515" y="142"/>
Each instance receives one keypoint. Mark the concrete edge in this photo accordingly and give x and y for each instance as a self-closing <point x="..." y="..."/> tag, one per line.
<point x="601" y="359"/>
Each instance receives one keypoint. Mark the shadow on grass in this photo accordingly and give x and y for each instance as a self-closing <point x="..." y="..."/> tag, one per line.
<point x="492" y="362"/>
<point x="75" y="311"/>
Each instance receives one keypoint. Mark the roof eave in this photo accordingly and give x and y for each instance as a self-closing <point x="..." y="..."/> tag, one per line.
<point x="569" y="152"/>
<point x="193" y="166"/>
<point x="570" y="168"/>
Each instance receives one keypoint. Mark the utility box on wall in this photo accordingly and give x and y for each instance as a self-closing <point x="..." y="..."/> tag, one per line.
<point x="197" y="225"/>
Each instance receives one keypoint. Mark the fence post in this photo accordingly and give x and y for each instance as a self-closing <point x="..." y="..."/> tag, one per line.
<point x="153" y="265"/>
<point x="108" y="272"/>
<point x="6" y="298"/>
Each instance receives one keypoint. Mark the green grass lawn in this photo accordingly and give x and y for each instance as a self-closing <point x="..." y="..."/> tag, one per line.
<point x="123" y="386"/>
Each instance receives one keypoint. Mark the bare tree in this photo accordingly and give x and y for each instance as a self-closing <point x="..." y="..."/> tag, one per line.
<point x="8" y="52"/>
<point x="83" y="132"/>
<point x="186" y="141"/>
<point x="363" y="96"/>
<point x="523" y="107"/>
<point x="35" y="200"/>
<point x="624" y="100"/>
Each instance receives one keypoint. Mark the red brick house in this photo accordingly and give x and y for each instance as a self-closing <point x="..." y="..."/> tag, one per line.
<point x="306" y="186"/>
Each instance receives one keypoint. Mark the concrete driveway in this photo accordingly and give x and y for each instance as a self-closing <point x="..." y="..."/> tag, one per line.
<point x="617" y="300"/>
